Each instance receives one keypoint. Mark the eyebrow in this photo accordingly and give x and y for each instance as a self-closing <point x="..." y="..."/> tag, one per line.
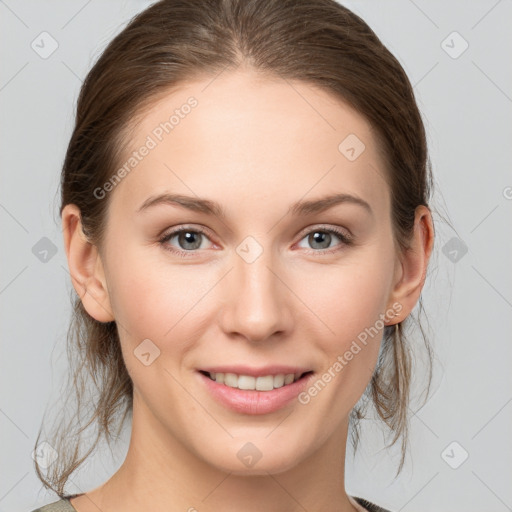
<point x="300" y="208"/>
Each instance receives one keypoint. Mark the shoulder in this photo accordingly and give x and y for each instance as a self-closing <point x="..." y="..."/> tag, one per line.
<point x="62" y="505"/>
<point x="370" y="507"/>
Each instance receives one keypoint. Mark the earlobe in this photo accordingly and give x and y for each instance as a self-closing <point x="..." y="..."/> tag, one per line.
<point x="85" y="266"/>
<point x="413" y="264"/>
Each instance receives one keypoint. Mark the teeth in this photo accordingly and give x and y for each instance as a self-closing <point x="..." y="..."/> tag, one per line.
<point x="247" y="382"/>
<point x="279" y="381"/>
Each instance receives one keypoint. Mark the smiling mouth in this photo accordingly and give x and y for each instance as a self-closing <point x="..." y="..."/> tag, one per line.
<point x="250" y="383"/>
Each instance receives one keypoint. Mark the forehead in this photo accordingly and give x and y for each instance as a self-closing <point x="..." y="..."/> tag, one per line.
<point x="242" y="132"/>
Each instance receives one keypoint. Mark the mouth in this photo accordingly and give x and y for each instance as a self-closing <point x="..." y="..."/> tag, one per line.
<point x="252" y="391"/>
<point x="252" y="383"/>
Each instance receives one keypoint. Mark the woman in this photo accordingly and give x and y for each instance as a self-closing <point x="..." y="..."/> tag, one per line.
<point x="246" y="221"/>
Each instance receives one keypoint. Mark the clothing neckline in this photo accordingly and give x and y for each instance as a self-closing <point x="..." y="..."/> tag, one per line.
<point x="353" y="502"/>
<point x="68" y="497"/>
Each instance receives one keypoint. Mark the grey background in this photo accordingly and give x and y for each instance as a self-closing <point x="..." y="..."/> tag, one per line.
<point x="466" y="101"/>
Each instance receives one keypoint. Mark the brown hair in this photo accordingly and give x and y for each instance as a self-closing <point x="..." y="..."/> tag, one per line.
<point x="318" y="42"/>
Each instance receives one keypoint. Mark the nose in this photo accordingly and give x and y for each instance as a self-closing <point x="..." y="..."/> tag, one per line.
<point x="256" y="302"/>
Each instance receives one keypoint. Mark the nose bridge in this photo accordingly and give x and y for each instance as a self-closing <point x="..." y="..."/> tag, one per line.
<point x="256" y="307"/>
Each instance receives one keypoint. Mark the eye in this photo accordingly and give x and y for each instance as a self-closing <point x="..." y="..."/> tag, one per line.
<point x="321" y="239"/>
<point x="188" y="240"/>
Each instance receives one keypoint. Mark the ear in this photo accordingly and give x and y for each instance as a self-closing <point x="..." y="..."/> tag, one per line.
<point x="411" y="267"/>
<point x="85" y="266"/>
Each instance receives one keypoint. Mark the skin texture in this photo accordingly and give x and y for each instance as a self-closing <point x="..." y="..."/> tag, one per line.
<point x="255" y="145"/>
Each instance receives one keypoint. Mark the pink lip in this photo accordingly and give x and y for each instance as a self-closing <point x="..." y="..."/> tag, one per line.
<point x="256" y="372"/>
<point x="255" y="402"/>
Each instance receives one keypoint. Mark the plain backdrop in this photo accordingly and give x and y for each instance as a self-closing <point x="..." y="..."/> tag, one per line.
<point x="457" y="56"/>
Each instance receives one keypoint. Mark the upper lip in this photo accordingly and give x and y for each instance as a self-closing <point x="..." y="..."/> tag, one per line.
<point x="256" y="372"/>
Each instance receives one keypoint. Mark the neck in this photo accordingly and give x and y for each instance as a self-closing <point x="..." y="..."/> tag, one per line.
<point x="159" y="473"/>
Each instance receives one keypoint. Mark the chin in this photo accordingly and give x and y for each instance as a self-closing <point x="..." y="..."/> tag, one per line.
<point x="248" y="460"/>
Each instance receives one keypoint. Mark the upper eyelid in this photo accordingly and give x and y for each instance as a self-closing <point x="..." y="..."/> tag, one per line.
<point x="325" y="227"/>
<point x="173" y="231"/>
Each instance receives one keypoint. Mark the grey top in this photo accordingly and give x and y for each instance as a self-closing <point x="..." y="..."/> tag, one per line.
<point x="64" y="505"/>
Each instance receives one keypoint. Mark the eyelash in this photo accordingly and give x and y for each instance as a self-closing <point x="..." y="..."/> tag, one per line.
<point x="346" y="240"/>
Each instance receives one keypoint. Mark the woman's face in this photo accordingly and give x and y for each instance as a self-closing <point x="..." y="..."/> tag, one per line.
<point x="265" y="288"/>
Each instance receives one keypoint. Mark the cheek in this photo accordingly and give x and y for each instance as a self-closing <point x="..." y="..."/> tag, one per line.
<point x="156" y="300"/>
<point x="347" y="298"/>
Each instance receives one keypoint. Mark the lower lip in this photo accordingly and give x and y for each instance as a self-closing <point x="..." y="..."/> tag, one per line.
<point x="252" y="401"/>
